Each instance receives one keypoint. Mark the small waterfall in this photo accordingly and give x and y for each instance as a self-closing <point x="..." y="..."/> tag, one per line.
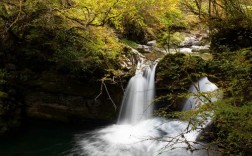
<point x="203" y="92"/>
<point x="205" y="87"/>
<point x="137" y="102"/>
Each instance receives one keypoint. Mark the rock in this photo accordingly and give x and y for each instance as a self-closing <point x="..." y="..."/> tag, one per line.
<point x="185" y="50"/>
<point x="144" y="48"/>
<point x="137" y="53"/>
<point x="71" y="100"/>
<point x="152" y="43"/>
<point x="189" y="41"/>
<point x="202" y="49"/>
<point x="172" y="79"/>
<point x="130" y="58"/>
<point x="66" y="107"/>
<point x="204" y="36"/>
<point x="198" y="39"/>
<point x="126" y="64"/>
<point x="197" y="43"/>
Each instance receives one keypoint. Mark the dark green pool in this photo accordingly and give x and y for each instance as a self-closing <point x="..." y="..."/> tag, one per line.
<point x="43" y="139"/>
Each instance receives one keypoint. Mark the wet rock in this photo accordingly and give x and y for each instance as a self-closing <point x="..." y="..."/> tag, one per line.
<point x="195" y="40"/>
<point x="130" y="58"/>
<point x="144" y="48"/>
<point x="189" y="41"/>
<point x="185" y="50"/>
<point x="202" y="49"/>
<point x="152" y="43"/>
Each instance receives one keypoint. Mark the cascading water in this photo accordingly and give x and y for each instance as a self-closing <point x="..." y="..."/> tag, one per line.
<point x="137" y="103"/>
<point x="211" y="94"/>
<point x="136" y="134"/>
<point x="203" y="86"/>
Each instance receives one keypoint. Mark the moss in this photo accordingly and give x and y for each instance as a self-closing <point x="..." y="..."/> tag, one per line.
<point x="175" y="74"/>
<point x="130" y="43"/>
<point x="154" y="55"/>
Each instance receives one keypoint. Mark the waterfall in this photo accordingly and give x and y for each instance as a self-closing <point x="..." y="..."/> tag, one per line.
<point x="139" y="134"/>
<point x="203" y="92"/>
<point x="137" y="102"/>
<point x="203" y="86"/>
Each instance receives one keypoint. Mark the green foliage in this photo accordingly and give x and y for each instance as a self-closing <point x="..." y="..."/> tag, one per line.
<point x="219" y="8"/>
<point x="234" y="127"/>
<point x="172" y="39"/>
<point x="132" y="44"/>
<point x="229" y="22"/>
<point x="175" y="74"/>
<point x="231" y="114"/>
<point x="231" y="37"/>
<point x="50" y="28"/>
<point x="143" y="20"/>
<point x="38" y="37"/>
<point x="74" y="39"/>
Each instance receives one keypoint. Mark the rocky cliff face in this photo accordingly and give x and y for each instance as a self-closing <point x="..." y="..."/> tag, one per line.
<point x="71" y="100"/>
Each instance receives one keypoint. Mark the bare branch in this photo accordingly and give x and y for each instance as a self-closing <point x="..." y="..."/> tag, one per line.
<point x="110" y="96"/>
<point x="101" y="90"/>
<point x="19" y="14"/>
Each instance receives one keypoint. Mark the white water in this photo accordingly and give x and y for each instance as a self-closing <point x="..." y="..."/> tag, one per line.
<point x="151" y="137"/>
<point x="203" y="86"/>
<point x="136" y="135"/>
<point x="202" y="92"/>
<point x="137" y="103"/>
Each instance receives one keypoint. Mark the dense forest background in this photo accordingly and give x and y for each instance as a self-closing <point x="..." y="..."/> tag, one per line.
<point x="86" y="41"/>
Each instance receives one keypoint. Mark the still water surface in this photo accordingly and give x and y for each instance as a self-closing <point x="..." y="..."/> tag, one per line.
<point x="43" y="139"/>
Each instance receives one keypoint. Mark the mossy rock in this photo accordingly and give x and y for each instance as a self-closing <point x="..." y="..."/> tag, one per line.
<point x="174" y="76"/>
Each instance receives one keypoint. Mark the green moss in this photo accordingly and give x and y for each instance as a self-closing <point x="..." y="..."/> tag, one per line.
<point x="132" y="44"/>
<point x="175" y="74"/>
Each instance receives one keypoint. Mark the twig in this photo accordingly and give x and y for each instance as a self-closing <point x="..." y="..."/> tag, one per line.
<point x="109" y="96"/>
<point x="101" y="90"/>
<point x="19" y="14"/>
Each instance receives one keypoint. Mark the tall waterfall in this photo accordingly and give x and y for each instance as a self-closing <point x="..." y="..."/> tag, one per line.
<point x="137" y="102"/>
